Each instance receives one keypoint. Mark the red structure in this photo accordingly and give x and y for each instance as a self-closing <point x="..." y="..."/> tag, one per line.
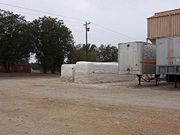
<point x="21" y="68"/>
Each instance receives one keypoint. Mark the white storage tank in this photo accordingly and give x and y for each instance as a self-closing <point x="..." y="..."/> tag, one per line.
<point x="168" y="56"/>
<point x="137" y="58"/>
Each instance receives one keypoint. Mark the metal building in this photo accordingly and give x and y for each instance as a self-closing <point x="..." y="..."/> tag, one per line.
<point x="164" y="24"/>
<point x="164" y="31"/>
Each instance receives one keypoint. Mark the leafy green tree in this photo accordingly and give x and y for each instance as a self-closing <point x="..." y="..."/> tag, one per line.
<point x="15" y="39"/>
<point x="78" y="53"/>
<point x="108" y="53"/>
<point x="53" y="42"/>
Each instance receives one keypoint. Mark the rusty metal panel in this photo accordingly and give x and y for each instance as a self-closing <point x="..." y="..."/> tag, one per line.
<point x="168" y="51"/>
<point x="168" y="55"/>
<point x="136" y="58"/>
<point x="164" y="24"/>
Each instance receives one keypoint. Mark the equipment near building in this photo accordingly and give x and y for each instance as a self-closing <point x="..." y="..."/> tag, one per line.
<point x="168" y="58"/>
<point x="164" y="31"/>
<point x="137" y="58"/>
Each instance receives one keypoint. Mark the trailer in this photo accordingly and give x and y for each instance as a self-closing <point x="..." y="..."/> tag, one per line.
<point x="138" y="58"/>
<point x="168" y="58"/>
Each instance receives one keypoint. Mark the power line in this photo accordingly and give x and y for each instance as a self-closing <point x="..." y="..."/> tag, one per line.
<point x="80" y="32"/>
<point x="116" y="36"/>
<point x="68" y="22"/>
<point x="44" y="12"/>
<point x="113" y="31"/>
<point x="26" y="13"/>
<point x="69" y="18"/>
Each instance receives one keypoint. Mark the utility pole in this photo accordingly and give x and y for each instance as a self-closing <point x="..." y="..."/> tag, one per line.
<point x="87" y="30"/>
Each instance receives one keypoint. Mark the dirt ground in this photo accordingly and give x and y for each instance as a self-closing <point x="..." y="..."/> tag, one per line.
<point x="47" y="106"/>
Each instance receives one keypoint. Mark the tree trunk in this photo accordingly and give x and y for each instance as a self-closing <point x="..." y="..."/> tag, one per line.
<point x="53" y="69"/>
<point x="7" y="67"/>
<point x="44" y="70"/>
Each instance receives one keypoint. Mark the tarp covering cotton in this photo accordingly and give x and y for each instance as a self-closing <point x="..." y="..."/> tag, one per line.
<point x="98" y="72"/>
<point x="67" y="72"/>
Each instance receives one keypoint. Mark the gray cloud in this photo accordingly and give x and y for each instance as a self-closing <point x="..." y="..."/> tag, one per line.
<point x="126" y="17"/>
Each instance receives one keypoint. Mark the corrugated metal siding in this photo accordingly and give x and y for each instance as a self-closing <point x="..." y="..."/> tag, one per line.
<point x="176" y="25"/>
<point x="158" y="27"/>
<point x="175" y="11"/>
<point x="164" y="25"/>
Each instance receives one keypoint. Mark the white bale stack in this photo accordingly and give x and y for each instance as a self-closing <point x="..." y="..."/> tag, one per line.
<point x="67" y="72"/>
<point x="81" y="73"/>
<point x="98" y="72"/>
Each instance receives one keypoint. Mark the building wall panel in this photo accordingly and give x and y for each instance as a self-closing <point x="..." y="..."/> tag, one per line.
<point x="164" y="24"/>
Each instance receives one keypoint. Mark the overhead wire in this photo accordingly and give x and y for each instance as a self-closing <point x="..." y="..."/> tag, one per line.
<point x="72" y="23"/>
<point x="113" y="31"/>
<point x="70" y="18"/>
<point x="79" y="34"/>
<point x="114" y="35"/>
<point x="44" y="12"/>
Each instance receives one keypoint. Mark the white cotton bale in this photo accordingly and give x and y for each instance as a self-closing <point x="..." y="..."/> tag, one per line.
<point x="67" y="72"/>
<point x="99" y="72"/>
<point x="81" y="73"/>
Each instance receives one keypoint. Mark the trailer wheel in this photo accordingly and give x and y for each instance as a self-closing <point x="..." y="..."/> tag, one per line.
<point x="170" y="78"/>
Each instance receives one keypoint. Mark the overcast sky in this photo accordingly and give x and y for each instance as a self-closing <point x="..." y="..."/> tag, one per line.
<point x="112" y="21"/>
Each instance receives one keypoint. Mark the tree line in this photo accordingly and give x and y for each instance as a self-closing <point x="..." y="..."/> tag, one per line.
<point x="49" y="39"/>
<point x="104" y="53"/>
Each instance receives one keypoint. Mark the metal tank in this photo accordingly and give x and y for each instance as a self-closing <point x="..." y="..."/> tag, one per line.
<point x="168" y="56"/>
<point x="137" y="58"/>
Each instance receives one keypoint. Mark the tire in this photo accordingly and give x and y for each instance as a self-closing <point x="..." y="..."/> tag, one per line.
<point x="170" y="78"/>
